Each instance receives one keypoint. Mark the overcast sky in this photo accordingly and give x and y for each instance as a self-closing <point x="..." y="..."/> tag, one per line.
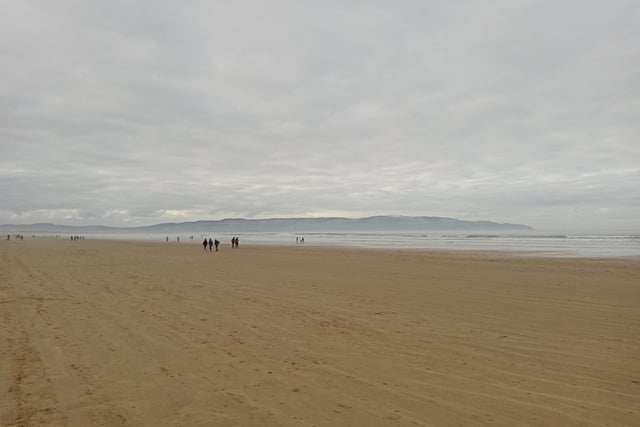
<point x="139" y="112"/>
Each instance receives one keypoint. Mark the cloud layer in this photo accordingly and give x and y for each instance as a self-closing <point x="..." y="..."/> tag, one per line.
<point x="129" y="114"/>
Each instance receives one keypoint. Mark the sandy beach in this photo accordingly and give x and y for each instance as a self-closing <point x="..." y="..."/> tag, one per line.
<point x="108" y="333"/>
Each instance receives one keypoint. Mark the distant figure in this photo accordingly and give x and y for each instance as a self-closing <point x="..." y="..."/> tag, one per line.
<point x="237" y="242"/>
<point x="204" y="244"/>
<point x="217" y="243"/>
<point x="233" y="242"/>
<point x="167" y="239"/>
<point x="210" y="244"/>
<point x="296" y="240"/>
<point x="302" y="240"/>
<point x="178" y="239"/>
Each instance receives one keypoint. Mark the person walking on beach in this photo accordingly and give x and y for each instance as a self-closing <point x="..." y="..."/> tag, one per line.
<point x="204" y="244"/>
<point x="210" y="244"/>
<point x="216" y="243"/>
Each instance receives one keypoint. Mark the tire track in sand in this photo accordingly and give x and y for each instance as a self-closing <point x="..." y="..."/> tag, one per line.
<point x="28" y="398"/>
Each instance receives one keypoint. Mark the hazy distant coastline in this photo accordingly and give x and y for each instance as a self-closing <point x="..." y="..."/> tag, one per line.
<point x="431" y="233"/>
<point x="331" y="224"/>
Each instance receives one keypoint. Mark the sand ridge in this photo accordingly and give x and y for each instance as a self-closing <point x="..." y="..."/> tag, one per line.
<point x="129" y="333"/>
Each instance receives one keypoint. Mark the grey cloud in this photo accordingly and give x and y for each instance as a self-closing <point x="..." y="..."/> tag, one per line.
<point x="135" y="113"/>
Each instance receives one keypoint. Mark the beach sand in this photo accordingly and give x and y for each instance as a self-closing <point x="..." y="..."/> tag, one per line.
<point x="162" y="334"/>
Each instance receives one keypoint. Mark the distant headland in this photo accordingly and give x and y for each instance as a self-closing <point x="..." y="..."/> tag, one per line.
<point x="381" y="223"/>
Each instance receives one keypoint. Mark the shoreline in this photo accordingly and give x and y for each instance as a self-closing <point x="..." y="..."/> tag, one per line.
<point x="516" y="252"/>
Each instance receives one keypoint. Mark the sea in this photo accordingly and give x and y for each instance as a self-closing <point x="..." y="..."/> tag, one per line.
<point x="534" y="244"/>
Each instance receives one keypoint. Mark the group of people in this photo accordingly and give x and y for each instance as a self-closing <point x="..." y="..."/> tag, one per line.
<point x="211" y="244"/>
<point x="300" y="240"/>
<point x="235" y="241"/>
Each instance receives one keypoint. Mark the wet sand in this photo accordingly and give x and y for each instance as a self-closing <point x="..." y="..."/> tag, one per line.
<point x="162" y="334"/>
